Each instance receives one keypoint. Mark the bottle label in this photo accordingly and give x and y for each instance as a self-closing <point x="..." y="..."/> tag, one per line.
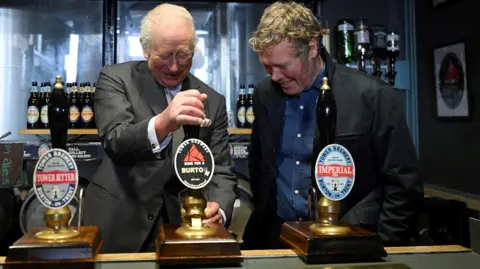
<point x="250" y="116"/>
<point x="44" y="114"/>
<point x="33" y="114"/>
<point x="74" y="114"/>
<point x="393" y="42"/>
<point x="345" y="27"/>
<point x="87" y="114"/>
<point x="241" y="114"/>
<point x="362" y="37"/>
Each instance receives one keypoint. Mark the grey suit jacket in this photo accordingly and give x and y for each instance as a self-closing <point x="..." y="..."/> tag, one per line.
<point x="128" y="190"/>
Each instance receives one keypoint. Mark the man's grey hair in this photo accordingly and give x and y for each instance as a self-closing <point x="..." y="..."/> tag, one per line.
<point x="158" y="12"/>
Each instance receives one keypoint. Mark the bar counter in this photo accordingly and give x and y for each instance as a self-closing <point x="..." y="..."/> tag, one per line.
<point x="421" y="257"/>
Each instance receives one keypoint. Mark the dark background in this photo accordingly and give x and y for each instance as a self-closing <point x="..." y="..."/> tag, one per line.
<point x="448" y="149"/>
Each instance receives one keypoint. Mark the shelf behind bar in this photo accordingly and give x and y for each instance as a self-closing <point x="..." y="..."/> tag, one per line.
<point x="47" y="131"/>
<point x="239" y="131"/>
<point x="232" y="131"/>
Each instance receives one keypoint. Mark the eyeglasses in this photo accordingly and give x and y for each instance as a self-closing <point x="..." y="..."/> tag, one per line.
<point x="178" y="56"/>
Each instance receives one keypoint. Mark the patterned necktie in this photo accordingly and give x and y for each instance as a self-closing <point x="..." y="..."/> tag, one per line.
<point x="169" y="95"/>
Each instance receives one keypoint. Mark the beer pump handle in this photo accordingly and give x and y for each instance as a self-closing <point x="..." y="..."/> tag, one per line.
<point x="191" y="131"/>
<point x="58" y="115"/>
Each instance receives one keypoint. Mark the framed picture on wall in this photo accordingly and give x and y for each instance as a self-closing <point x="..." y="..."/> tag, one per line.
<point x="451" y="90"/>
<point x="438" y="2"/>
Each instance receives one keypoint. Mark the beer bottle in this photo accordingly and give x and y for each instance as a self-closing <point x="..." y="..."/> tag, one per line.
<point x="362" y="44"/>
<point x="32" y="108"/>
<point x="326" y="117"/>
<point x="249" y="114"/>
<point x="58" y="115"/>
<point x="241" y="118"/>
<point x="81" y="95"/>
<point x="94" y="88"/>
<point x="87" y="108"/>
<point x="68" y="90"/>
<point x="344" y="44"/>
<point x="41" y="102"/>
<point x="379" y="48"/>
<point x="74" y="110"/>
<point x="44" y="106"/>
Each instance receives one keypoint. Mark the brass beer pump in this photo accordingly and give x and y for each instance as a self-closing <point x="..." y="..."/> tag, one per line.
<point x="57" y="225"/>
<point x="327" y="211"/>
<point x="193" y="214"/>
<point x="57" y="219"/>
<point x="193" y="241"/>
<point x="55" y="182"/>
<point x="327" y="217"/>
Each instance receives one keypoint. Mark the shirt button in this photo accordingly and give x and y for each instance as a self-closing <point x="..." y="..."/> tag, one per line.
<point x="299" y="135"/>
<point x="297" y="162"/>
<point x="297" y="192"/>
<point x="300" y="219"/>
<point x="301" y="107"/>
<point x="150" y="216"/>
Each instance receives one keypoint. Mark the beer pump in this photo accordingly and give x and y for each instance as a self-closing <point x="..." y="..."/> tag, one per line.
<point x="55" y="182"/>
<point x="324" y="238"/>
<point x="326" y="210"/>
<point x="193" y="201"/>
<point x="192" y="240"/>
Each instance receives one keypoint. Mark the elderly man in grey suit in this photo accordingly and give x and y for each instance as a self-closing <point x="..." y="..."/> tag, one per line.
<point x="140" y="108"/>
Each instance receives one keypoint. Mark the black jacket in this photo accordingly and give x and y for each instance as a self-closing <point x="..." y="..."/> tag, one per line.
<point x="371" y="124"/>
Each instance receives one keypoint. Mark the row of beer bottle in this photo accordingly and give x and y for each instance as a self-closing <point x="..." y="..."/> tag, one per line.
<point x="245" y="115"/>
<point x="81" y="105"/>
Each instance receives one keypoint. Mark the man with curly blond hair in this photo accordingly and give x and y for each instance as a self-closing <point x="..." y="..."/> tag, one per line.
<point x="370" y="124"/>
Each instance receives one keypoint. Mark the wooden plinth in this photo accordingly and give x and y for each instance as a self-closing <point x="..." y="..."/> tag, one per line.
<point x="78" y="252"/>
<point x="356" y="246"/>
<point x="220" y="248"/>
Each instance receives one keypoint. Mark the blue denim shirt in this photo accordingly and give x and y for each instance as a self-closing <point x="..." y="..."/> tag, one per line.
<point x="294" y="154"/>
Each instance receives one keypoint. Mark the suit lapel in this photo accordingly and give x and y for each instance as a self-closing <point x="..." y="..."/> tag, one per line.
<point x="275" y="107"/>
<point x="152" y="91"/>
<point x="190" y="83"/>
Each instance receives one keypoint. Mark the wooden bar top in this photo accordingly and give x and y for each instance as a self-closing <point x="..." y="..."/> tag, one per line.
<point x="275" y="253"/>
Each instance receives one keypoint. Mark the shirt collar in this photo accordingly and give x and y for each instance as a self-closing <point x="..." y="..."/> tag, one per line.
<point x="174" y="89"/>
<point x="318" y="82"/>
